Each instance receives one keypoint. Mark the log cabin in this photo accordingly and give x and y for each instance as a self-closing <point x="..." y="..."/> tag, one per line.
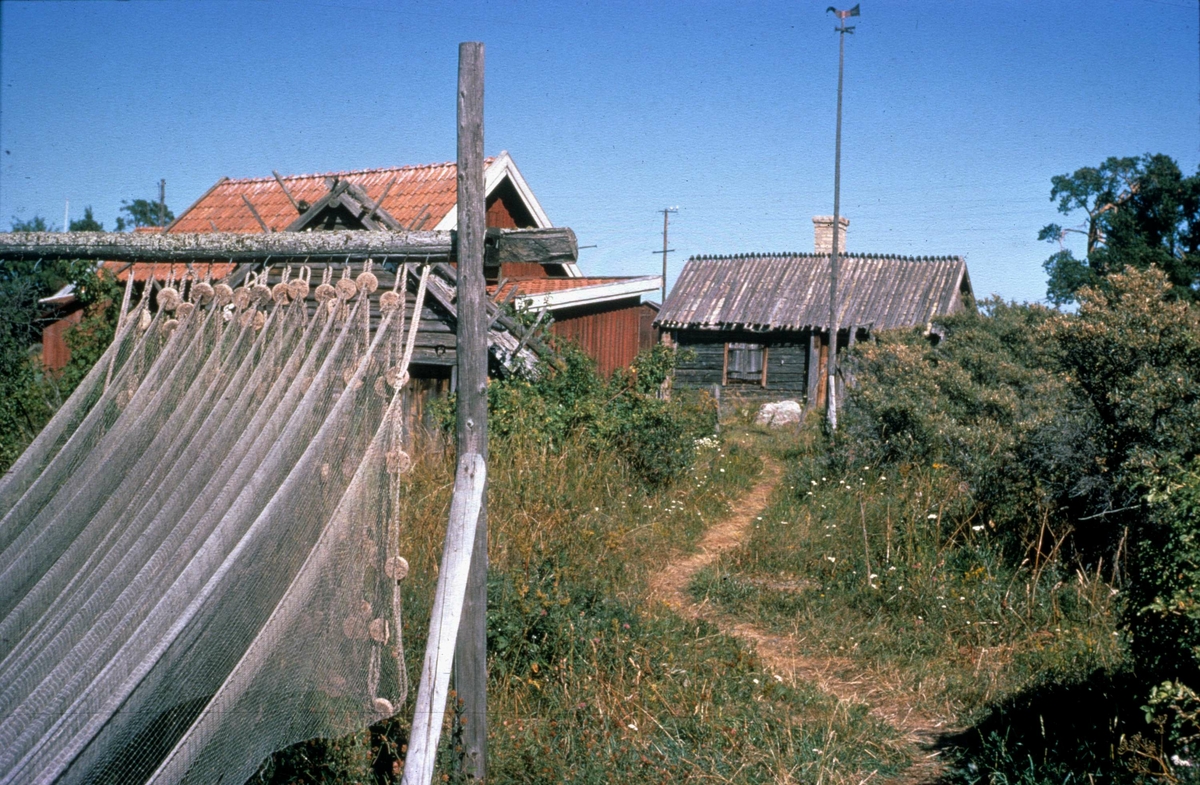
<point x="756" y="326"/>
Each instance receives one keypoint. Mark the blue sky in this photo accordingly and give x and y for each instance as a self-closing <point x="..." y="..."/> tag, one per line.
<point x="957" y="113"/>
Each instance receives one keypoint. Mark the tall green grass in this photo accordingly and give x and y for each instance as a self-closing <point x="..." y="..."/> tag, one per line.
<point x="893" y="574"/>
<point x="589" y="683"/>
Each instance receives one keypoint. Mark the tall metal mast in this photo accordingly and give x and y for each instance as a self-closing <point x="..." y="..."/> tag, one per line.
<point x="841" y="29"/>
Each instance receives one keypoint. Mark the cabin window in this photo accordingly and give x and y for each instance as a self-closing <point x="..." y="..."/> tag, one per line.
<point x="745" y="363"/>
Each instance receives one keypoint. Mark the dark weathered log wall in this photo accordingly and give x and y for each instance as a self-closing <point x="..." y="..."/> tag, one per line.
<point x="701" y="362"/>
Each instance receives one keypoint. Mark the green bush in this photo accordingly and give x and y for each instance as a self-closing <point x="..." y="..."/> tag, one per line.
<point x="984" y="400"/>
<point x="1163" y="609"/>
<point x="29" y="395"/>
<point x="565" y="399"/>
<point x="1077" y="435"/>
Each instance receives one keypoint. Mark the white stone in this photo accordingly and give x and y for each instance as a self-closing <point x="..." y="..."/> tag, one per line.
<point x="779" y="414"/>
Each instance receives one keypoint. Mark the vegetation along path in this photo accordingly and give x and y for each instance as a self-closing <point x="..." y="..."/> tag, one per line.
<point x="835" y="676"/>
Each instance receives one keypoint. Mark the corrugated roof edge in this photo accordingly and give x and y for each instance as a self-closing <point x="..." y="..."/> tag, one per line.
<point x="803" y="255"/>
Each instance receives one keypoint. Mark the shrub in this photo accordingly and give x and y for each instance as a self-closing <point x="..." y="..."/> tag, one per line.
<point x="1163" y="609"/>
<point x="984" y="400"/>
<point x="565" y="399"/>
<point x="1075" y="434"/>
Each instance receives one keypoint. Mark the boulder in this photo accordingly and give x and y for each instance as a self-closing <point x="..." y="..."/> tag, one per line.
<point x="779" y="414"/>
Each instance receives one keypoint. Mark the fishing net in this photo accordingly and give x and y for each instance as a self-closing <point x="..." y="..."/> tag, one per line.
<point x="198" y="555"/>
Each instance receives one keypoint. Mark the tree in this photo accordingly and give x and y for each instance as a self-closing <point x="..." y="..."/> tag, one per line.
<point x="143" y="212"/>
<point x="1139" y="212"/>
<point x="29" y="395"/>
<point x="35" y="224"/>
<point x="87" y="223"/>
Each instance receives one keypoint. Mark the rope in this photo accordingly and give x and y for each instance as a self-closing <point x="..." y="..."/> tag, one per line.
<point x="403" y="377"/>
<point x="120" y="323"/>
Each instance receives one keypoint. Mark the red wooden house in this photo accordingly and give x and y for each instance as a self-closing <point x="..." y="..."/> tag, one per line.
<point x="604" y="315"/>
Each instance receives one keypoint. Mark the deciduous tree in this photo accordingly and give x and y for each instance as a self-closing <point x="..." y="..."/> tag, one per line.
<point x="1138" y="212"/>
<point x="87" y="223"/>
<point x="142" y="212"/>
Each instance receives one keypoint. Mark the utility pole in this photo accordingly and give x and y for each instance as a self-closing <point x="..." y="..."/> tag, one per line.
<point x="67" y="216"/>
<point x="666" y="211"/>
<point x="837" y="188"/>
<point x="162" y="202"/>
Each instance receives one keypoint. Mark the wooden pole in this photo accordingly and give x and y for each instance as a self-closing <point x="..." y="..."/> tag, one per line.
<point x="445" y="620"/>
<point x="470" y="658"/>
<point x="666" y="214"/>
<point x="666" y="211"/>
<point x="287" y="192"/>
<point x="842" y="29"/>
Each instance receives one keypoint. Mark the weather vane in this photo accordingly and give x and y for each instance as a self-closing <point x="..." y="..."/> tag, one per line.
<point x="843" y="16"/>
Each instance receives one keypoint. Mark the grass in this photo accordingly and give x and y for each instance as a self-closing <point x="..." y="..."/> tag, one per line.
<point x="588" y="679"/>
<point x="891" y="579"/>
<point x="894" y="577"/>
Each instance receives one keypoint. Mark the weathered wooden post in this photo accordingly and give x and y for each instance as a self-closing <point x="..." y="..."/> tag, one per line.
<point x="470" y="658"/>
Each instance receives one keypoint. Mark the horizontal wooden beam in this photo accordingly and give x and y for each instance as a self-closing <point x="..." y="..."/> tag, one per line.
<point x="222" y="246"/>
<point x="545" y="246"/>
<point x="556" y="245"/>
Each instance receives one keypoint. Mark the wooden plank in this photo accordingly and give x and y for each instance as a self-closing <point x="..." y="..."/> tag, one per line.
<point x="257" y="217"/>
<point x="466" y="509"/>
<point x="525" y="338"/>
<point x="224" y="246"/>
<point x="814" y="364"/>
<point x="470" y="661"/>
<point x="379" y="202"/>
<point x="287" y="192"/>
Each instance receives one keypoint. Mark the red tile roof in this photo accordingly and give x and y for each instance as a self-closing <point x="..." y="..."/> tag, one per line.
<point x="528" y="286"/>
<point x="420" y="197"/>
<point x="162" y="270"/>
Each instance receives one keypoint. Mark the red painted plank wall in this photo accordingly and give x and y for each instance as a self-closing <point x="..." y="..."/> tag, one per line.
<point x="608" y="332"/>
<point x="55" y="354"/>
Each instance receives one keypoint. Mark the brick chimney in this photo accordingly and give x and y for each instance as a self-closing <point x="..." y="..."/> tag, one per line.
<point x="823" y="234"/>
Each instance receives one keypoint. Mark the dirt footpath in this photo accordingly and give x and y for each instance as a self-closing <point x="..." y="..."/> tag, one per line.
<point x="838" y="677"/>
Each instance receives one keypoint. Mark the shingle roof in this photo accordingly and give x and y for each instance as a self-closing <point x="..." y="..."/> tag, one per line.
<point x="765" y="292"/>
<point x="419" y="198"/>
